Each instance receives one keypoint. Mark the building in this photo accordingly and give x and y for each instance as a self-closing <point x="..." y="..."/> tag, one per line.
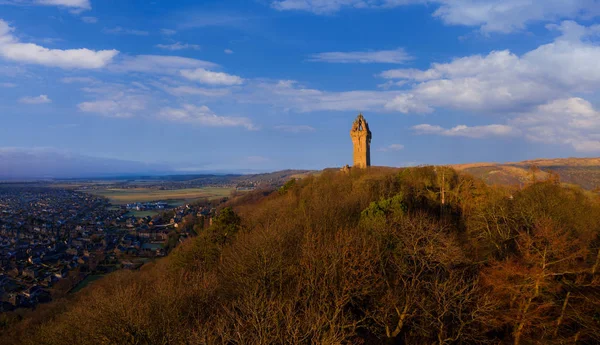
<point x="361" y="139"/>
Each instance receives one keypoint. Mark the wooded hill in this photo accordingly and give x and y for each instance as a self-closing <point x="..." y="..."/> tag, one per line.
<point x="380" y="256"/>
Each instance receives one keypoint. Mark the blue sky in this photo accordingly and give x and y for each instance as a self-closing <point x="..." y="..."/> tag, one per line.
<point x="191" y="86"/>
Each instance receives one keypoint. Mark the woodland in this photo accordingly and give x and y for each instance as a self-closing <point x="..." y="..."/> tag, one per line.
<point x="422" y="255"/>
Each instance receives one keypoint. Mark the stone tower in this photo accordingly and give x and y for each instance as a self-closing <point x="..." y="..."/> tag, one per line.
<point x="361" y="138"/>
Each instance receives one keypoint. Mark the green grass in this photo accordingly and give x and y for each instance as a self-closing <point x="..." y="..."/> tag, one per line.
<point x="174" y="197"/>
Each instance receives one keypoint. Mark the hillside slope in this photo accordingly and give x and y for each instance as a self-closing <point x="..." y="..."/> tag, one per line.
<point x="584" y="172"/>
<point x="413" y="256"/>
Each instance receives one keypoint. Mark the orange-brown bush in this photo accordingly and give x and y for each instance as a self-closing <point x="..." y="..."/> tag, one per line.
<point x="420" y="256"/>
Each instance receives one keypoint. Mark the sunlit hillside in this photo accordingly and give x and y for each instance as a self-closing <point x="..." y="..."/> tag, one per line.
<point x="413" y="256"/>
<point x="584" y="172"/>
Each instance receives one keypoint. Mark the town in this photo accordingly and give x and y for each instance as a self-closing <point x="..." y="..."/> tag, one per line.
<point x="54" y="241"/>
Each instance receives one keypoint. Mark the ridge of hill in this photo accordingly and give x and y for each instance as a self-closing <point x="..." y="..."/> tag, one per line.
<point x="276" y="178"/>
<point x="584" y="172"/>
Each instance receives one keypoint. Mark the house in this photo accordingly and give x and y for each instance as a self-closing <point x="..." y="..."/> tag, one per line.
<point x="36" y="294"/>
<point x="49" y="280"/>
<point x="31" y="272"/>
<point x="17" y="300"/>
<point x="119" y="250"/>
<point x="62" y="273"/>
<point x="15" y="272"/>
<point x="83" y="260"/>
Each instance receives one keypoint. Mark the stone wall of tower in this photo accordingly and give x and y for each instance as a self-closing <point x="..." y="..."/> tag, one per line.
<point x="361" y="140"/>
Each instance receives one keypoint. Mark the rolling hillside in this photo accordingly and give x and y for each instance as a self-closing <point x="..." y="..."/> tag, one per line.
<point x="584" y="172"/>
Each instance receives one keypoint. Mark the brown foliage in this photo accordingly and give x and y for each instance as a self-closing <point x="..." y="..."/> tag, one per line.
<point x="306" y="265"/>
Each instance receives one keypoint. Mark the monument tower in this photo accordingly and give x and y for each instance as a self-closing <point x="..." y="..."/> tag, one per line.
<point x="361" y="139"/>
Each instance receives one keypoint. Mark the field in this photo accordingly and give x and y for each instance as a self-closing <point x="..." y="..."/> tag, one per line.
<point x="141" y="214"/>
<point x="175" y="197"/>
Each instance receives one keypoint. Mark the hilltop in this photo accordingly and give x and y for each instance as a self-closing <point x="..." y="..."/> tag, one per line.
<point x="380" y="256"/>
<point x="584" y="172"/>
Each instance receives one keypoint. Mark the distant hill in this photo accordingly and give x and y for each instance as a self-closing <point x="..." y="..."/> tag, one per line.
<point x="273" y="179"/>
<point x="584" y="172"/>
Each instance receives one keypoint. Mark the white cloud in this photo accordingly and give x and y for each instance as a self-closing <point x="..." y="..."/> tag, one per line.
<point x="202" y="115"/>
<point x="183" y="90"/>
<point x="502" y="81"/>
<point x="411" y="73"/>
<point x="201" y="19"/>
<point x="571" y="121"/>
<point x="228" y="51"/>
<point x="408" y="103"/>
<point x="120" y="107"/>
<point x="391" y="148"/>
<point x="158" y="64"/>
<point x="89" y="20"/>
<point x="290" y="95"/>
<point x="139" y="85"/>
<point x="586" y="145"/>
<point x="47" y="40"/>
<point x="121" y="31"/>
<point x="8" y="85"/>
<point x="178" y="46"/>
<point x="391" y="84"/>
<point x="115" y="100"/>
<point x="12" y="70"/>
<point x="489" y="15"/>
<point x="41" y="99"/>
<point x="396" y="56"/>
<point x="466" y="131"/>
<point x="72" y="80"/>
<point x="138" y="100"/>
<point x="168" y="32"/>
<point x="295" y="128"/>
<point x="74" y="5"/>
<point x="12" y="49"/>
<point x="511" y="15"/>
<point x="204" y="76"/>
<point x="323" y="6"/>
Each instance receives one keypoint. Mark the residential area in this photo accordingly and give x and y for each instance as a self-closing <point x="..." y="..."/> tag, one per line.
<point x="54" y="241"/>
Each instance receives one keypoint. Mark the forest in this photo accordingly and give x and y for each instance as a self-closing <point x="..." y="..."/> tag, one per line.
<point x="421" y="255"/>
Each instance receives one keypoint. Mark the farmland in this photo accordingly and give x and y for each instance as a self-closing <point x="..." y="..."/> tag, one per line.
<point x="119" y="196"/>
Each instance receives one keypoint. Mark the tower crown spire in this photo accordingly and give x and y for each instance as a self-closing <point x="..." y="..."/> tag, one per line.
<point x="360" y="123"/>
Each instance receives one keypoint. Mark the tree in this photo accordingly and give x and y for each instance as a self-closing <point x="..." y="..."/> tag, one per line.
<point x="226" y="224"/>
<point x="529" y="282"/>
<point x="534" y="169"/>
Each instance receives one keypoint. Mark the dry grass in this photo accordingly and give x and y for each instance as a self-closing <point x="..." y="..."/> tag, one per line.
<point x="571" y="162"/>
<point x="466" y="166"/>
